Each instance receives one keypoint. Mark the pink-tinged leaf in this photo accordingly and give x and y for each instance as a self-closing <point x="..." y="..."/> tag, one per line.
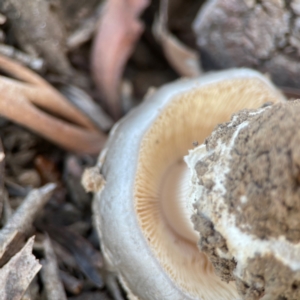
<point x="119" y="28"/>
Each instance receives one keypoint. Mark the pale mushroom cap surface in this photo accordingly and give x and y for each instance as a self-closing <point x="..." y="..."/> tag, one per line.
<point x="247" y="198"/>
<point x="150" y="255"/>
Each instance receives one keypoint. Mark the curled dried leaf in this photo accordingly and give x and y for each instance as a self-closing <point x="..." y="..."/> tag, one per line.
<point x="119" y="28"/>
<point x="17" y="274"/>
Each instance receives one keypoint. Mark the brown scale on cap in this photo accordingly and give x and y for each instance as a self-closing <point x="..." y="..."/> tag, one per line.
<point x="261" y="184"/>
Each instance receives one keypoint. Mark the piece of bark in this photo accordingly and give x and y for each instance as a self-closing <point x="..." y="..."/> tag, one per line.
<point x="50" y="274"/>
<point x="17" y="274"/>
<point x="39" y="31"/>
<point x="264" y="35"/>
<point x="13" y="233"/>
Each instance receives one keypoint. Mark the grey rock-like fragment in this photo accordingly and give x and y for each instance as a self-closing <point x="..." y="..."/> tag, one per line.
<point x="264" y="35"/>
<point x="247" y="200"/>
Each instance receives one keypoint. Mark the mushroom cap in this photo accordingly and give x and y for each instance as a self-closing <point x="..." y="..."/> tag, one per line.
<point x="153" y="260"/>
<point x="247" y="199"/>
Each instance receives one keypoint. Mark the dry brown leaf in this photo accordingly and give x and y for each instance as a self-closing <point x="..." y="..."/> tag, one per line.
<point x="119" y="28"/>
<point x="185" y="61"/>
<point x="17" y="274"/>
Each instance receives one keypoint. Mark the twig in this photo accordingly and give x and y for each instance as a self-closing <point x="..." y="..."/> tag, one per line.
<point x="35" y="63"/>
<point x="17" y="105"/>
<point x="22" y="219"/>
<point x="89" y="260"/>
<point x="84" y="103"/>
<point x="50" y="273"/>
<point x="85" y="32"/>
<point x="71" y="284"/>
<point x="185" y="61"/>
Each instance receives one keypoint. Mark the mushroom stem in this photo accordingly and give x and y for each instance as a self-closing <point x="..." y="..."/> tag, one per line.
<point x="176" y="207"/>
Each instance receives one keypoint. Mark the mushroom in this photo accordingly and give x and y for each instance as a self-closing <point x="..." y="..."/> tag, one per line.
<point x="246" y="192"/>
<point x="146" y="233"/>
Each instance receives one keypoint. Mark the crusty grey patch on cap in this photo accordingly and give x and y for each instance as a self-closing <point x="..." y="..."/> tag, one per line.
<point x="263" y="182"/>
<point x="258" y="178"/>
<point x="211" y="240"/>
<point x="269" y="277"/>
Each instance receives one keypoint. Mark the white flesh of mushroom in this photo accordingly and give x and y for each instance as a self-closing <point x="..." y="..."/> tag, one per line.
<point x="148" y="240"/>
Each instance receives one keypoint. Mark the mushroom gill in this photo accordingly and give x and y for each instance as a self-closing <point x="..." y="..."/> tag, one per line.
<point x="143" y="221"/>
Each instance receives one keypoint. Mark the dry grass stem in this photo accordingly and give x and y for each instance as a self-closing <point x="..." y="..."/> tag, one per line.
<point x="20" y="102"/>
